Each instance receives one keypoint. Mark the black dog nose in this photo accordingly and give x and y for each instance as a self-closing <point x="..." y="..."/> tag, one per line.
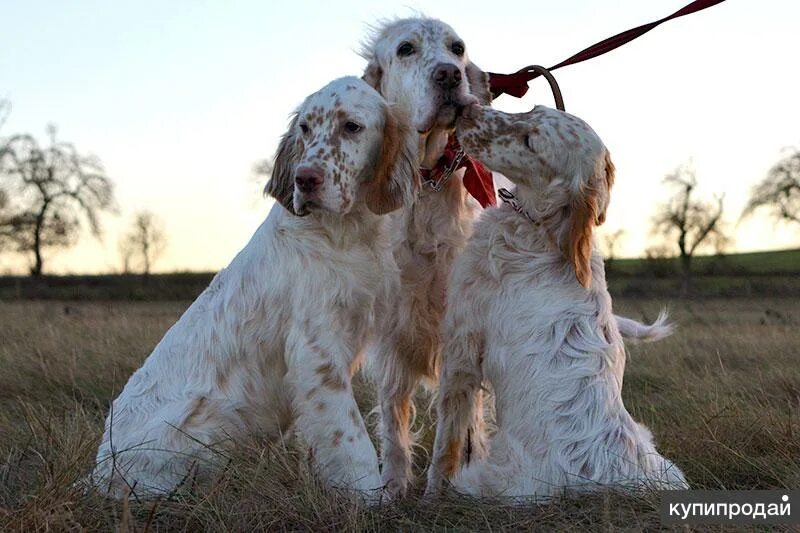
<point x="308" y="179"/>
<point x="447" y="75"/>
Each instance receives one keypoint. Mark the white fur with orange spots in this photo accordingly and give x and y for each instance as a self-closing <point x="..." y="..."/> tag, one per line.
<point x="274" y="340"/>
<point x="528" y="313"/>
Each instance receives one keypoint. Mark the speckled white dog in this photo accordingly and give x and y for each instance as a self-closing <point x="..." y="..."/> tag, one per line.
<point x="275" y="339"/>
<point x="528" y="311"/>
<point x="422" y="66"/>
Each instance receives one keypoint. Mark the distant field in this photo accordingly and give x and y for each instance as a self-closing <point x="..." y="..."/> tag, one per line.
<point x="756" y="263"/>
<point x="157" y="287"/>
<point x="722" y="397"/>
<point x="721" y="276"/>
<point x="741" y="275"/>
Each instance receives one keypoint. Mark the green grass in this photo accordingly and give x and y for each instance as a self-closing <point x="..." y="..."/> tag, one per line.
<point x="722" y="397"/>
<point x="740" y="275"/>
<point x="706" y="286"/>
<point x="781" y="262"/>
<point x="125" y="287"/>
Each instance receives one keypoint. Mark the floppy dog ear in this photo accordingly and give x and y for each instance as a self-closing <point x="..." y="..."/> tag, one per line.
<point x="396" y="176"/>
<point x="588" y="209"/>
<point x="373" y="75"/>
<point x="281" y="184"/>
<point x="479" y="83"/>
<point x="609" y="172"/>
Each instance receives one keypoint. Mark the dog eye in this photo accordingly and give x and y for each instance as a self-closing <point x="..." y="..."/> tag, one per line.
<point x="458" y="48"/>
<point x="352" y="127"/>
<point x="405" y="49"/>
<point x="304" y="128"/>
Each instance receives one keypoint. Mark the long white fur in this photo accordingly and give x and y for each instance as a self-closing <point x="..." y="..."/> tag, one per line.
<point x="274" y="340"/>
<point x="519" y="318"/>
<point x="635" y="331"/>
<point x="427" y="235"/>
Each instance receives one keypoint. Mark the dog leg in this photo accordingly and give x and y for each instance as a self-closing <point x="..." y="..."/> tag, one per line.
<point x="327" y="416"/>
<point x="396" y="386"/>
<point x="406" y="354"/>
<point x="476" y="447"/>
<point x="459" y="389"/>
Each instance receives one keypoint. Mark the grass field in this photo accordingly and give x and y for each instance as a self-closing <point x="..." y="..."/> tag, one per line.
<point x="737" y="275"/>
<point x="722" y="397"/>
<point x="754" y="263"/>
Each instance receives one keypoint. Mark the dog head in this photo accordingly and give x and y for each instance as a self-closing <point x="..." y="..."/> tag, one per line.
<point x="558" y="163"/>
<point x="345" y="146"/>
<point x="422" y="65"/>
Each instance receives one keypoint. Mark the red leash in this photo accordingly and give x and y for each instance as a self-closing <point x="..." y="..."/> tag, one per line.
<point x="477" y="178"/>
<point x="517" y="84"/>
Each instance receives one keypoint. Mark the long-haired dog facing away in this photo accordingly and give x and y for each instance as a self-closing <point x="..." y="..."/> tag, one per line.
<point x="274" y="340"/>
<point x="528" y="311"/>
<point x="422" y="66"/>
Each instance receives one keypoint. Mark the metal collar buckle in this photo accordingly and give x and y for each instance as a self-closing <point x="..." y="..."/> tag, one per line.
<point x="436" y="185"/>
<point x="508" y="198"/>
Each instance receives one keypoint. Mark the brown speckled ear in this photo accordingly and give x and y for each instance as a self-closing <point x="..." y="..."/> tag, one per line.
<point x="479" y="84"/>
<point x="281" y="184"/>
<point x="579" y="245"/>
<point x="373" y="75"/>
<point x="396" y="175"/>
<point x="609" y="172"/>
<point x="588" y="210"/>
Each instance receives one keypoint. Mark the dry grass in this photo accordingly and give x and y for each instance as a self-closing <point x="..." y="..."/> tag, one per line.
<point x="722" y="397"/>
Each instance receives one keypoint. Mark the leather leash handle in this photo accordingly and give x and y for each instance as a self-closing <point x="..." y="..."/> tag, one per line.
<point x="517" y="84"/>
<point x="541" y="71"/>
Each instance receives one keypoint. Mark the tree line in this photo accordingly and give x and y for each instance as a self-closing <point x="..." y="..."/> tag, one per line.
<point x="686" y="222"/>
<point x="50" y="193"/>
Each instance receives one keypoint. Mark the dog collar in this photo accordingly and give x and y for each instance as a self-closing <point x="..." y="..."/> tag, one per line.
<point x="477" y="178"/>
<point x="508" y="198"/>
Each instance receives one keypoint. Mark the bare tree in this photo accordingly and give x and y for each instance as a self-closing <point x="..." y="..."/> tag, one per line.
<point x="48" y="192"/>
<point x="690" y="222"/>
<point x="126" y="255"/>
<point x="5" y="110"/>
<point x="5" y="221"/>
<point x="779" y="191"/>
<point x="144" y="243"/>
<point x="262" y="170"/>
<point x="611" y="242"/>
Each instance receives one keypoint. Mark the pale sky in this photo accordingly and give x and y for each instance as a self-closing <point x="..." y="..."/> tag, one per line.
<point x="180" y="98"/>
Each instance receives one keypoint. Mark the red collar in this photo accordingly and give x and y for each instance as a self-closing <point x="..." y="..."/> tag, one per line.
<point x="477" y="178"/>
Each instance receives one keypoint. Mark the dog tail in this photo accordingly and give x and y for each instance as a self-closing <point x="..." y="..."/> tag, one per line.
<point x="633" y="330"/>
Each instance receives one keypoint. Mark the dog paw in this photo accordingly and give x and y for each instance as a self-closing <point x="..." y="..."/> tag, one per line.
<point x="396" y="489"/>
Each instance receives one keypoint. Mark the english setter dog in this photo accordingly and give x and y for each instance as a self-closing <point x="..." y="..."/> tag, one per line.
<point x="422" y="66"/>
<point x="528" y="311"/>
<point x="274" y="340"/>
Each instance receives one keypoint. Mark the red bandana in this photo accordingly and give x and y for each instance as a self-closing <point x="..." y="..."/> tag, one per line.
<point x="477" y="178"/>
